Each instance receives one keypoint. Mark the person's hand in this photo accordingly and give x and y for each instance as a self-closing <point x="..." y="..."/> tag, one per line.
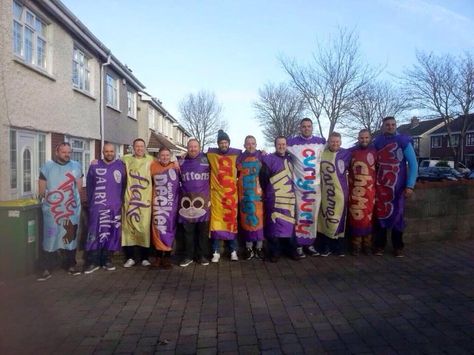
<point x="94" y="162"/>
<point x="408" y="192"/>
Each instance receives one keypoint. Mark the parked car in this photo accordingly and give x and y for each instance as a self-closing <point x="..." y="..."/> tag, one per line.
<point x="471" y="176"/>
<point x="438" y="173"/>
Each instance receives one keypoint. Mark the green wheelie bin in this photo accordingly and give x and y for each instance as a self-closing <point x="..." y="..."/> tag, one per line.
<point x="20" y="228"/>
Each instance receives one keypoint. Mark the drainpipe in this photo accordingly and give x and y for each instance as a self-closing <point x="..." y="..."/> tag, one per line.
<point x="102" y="105"/>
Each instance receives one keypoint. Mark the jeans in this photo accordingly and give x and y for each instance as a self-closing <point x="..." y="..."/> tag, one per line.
<point x="98" y="257"/>
<point x="381" y="238"/>
<point x="196" y="240"/>
<point x="275" y="246"/>
<point x="216" y="245"/>
<point x="130" y="252"/>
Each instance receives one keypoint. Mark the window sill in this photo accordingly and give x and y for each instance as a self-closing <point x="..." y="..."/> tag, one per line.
<point x="85" y="93"/>
<point x="33" y="68"/>
<point x="114" y="108"/>
<point x="132" y="118"/>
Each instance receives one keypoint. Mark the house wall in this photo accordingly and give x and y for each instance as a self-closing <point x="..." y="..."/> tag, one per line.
<point x="119" y="128"/>
<point x="37" y="101"/>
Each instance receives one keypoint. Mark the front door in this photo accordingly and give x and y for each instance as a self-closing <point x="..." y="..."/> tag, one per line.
<point x="28" y="173"/>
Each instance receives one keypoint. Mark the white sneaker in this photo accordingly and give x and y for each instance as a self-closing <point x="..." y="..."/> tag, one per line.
<point x="233" y="256"/>
<point x="145" y="263"/>
<point x="215" y="257"/>
<point x="129" y="263"/>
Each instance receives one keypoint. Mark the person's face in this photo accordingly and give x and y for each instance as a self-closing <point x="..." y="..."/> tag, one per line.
<point x="139" y="149"/>
<point x="364" y="139"/>
<point x="164" y="157"/>
<point x="223" y="146"/>
<point x="63" y="153"/>
<point x="306" y="129"/>
<point x="334" y="144"/>
<point x="250" y="145"/>
<point x="389" y="126"/>
<point x="193" y="149"/>
<point x="109" y="153"/>
<point x="280" y="146"/>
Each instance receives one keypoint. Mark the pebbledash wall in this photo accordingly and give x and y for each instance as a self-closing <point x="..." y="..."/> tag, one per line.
<point x="440" y="211"/>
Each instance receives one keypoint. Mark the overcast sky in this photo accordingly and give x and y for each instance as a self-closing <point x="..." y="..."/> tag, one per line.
<point x="176" y="47"/>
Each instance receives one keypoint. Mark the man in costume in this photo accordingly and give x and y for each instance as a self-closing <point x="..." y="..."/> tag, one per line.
<point x="250" y="198"/>
<point x="59" y="184"/>
<point x="136" y="213"/>
<point x="394" y="183"/>
<point x="105" y="184"/>
<point x="334" y="195"/>
<point x="279" y="200"/>
<point x="165" y="177"/>
<point x="362" y="175"/>
<point x="305" y="151"/>
<point x="224" y="197"/>
<point x="194" y="206"/>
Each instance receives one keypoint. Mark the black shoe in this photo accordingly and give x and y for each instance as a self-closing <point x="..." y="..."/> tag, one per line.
<point x="260" y="254"/>
<point x="90" y="269"/>
<point x="299" y="254"/>
<point x="45" y="275"/>
<point x="109" y="266"/>
<point x="186" y="262"/>
<point x="249" y="254"/>
<point x="73" y="271"/>
<point x="203" y="261"/>
<point x="311" y="251"/>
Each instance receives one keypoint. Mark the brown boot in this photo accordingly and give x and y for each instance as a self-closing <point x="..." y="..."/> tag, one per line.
<point x="157" y="263"/>
<point x="166" y="263"/>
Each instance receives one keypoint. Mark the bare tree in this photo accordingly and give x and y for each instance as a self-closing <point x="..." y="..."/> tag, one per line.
<point x="201" y="114"/>
<point x="335" y="74"/>
<point x="372" y="103"/>
<point x="279" y="110"/>
<point x="443" y="85"/>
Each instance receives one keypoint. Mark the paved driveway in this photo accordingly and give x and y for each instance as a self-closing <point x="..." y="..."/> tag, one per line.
<point x="423" y="303"/>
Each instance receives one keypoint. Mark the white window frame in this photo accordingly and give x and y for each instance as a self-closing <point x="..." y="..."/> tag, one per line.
<point x="112" y="91"/>
<point x="455" y="138"/>
<point x="151" y="118"/>
<point x="438" y="139"/>
<point x="469" y="137"/>
<point x="80" y="63"/>
<point x="86" y="151"/>
<point x="132" y="104"/>
<point x="30" y="22"/>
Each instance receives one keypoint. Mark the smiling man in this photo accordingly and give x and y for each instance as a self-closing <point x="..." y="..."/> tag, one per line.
<point x="396" y="177"/>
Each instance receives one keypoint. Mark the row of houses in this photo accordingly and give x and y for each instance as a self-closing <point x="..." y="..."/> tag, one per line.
<point x="59" y="82"/>
<point x="430" y="139"/>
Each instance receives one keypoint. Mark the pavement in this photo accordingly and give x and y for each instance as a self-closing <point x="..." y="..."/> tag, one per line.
<point x="421" y="304"/>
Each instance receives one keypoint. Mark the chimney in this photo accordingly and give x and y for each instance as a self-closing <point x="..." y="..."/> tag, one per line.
<point x="415" y="121"/>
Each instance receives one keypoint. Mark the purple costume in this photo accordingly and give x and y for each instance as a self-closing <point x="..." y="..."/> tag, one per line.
<point x="105" y="183"/>
<point x="195" y="201"/>
<point x="391" y="180"/>
<point x="279" y="196"/>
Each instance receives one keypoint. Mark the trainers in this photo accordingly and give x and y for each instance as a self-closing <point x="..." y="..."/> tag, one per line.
<point x="73" y="271"/>
<point x="299" y="253"/>
<point x="45" y="275"/>
<point x="186" y="262"/>
<point x="216" y="257"/>
<point x="325" y="253"/>
<point x="203" y="261"/>
<point x="145" y="262"/>
<point x="90" y="269"/>
<point x="109" y="266"/>
<point x="378" y="252"/>
<point x="249" y="254"/>
<point x="398" y="253"/>
<point x="311" y="251"/>
<point x="260" y="254"/>
<point x="129" y="263"/>
<point x="233" y="256"/>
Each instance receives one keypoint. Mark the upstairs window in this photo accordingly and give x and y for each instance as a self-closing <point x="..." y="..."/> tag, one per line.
<point x="469" y="139"/>
<point x="29" y="36"/>
<point x="454" y="140"/>
<point x="131" y="104"/>
<point x="436" y="141"/>
<point x="112" y="90"/>
<point x="80" y="71"/>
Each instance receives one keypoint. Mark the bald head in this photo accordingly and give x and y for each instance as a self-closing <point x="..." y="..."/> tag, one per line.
<point x="109" y="152"/>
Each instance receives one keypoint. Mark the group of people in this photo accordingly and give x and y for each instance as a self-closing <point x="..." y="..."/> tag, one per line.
<point x="303" y="199"/>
